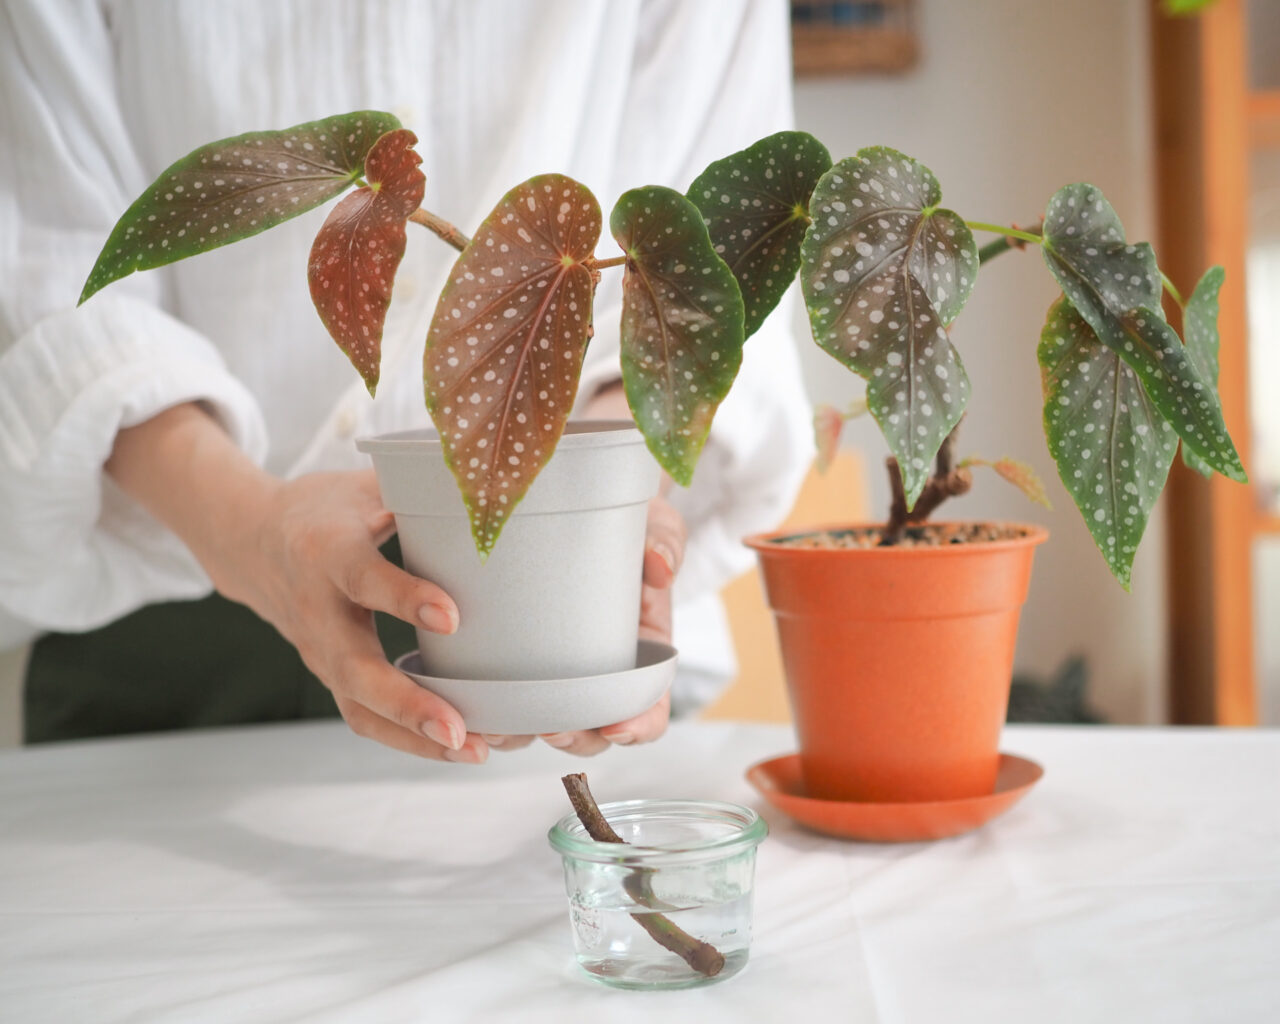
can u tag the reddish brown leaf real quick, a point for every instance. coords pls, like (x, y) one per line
(504, 352)
(354, 258)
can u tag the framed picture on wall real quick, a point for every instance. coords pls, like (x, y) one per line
(845, 37)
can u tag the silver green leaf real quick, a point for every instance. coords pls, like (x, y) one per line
(1200, 325)
(1115, 286)
(884, 272)
(234, 188)
(755, 204)
(682, 327)
(1112, 447)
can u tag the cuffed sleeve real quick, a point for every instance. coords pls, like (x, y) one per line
(74, 551)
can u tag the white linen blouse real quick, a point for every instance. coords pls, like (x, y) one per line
(98, 96)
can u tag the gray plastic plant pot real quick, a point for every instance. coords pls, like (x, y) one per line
(559, 595)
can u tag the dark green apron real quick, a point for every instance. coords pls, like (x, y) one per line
(179, 665)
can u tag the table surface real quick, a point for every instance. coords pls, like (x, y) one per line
(298, 873)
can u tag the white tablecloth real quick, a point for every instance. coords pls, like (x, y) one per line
(298, 873)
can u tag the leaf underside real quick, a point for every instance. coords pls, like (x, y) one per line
(884, 272)
(1200, 326)
(1020, 474)
(234, 188)
(357, 250)
(505, 347)
(1112, 447)
(682, 324)
(755, 204)
(828, 424)
(1116, 288)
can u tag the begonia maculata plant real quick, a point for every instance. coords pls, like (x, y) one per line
(885, 270)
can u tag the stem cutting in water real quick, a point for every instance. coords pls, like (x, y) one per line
(701, 956)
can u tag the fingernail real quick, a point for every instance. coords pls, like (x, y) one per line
(494, 741)
(447, 734)
(665, 554)
(467, 755)
(559, 740)
(620, 738)
(438, 618)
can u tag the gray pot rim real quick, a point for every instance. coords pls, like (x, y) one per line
(578, 434)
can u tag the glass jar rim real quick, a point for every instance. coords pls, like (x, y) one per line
(570, 838)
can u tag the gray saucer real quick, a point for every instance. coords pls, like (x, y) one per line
(522, 707)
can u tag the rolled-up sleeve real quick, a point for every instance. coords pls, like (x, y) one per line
(74, 551)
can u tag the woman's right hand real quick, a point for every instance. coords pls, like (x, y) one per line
(309, 564)
(303, 554)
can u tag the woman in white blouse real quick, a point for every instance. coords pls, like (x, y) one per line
(209, 391)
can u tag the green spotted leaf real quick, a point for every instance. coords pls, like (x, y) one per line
(505, 347)
(884, 272)
(682, 324)
(755, 204)
(1112, 447)
(1115, 286)
(228, 190)
(1200, 325)
(355, 255)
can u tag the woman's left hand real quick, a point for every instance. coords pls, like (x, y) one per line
(664, 550)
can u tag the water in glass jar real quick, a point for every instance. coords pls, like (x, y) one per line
(613, 948)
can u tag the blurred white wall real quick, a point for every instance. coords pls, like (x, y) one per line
(1010, 100)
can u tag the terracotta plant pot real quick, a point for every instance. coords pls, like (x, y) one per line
(559, 596)
(898, 661)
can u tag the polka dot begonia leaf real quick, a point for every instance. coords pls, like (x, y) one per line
(755, 204)
(1115, 286)
(505, 347)
(682, 324)
(355, 255)
(884, 271)
(1200, 325)
(1112, 446)
(228, 190)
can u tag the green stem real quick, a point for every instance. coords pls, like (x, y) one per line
(993, 249)
(1169, 287)
(1000, 229)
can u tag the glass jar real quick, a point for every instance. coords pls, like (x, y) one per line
(683, 879)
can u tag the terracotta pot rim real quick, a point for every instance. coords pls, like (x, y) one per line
(763, 542)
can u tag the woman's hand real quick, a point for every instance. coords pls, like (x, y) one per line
(304, 555)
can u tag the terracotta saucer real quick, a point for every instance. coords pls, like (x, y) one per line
(779, 782)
